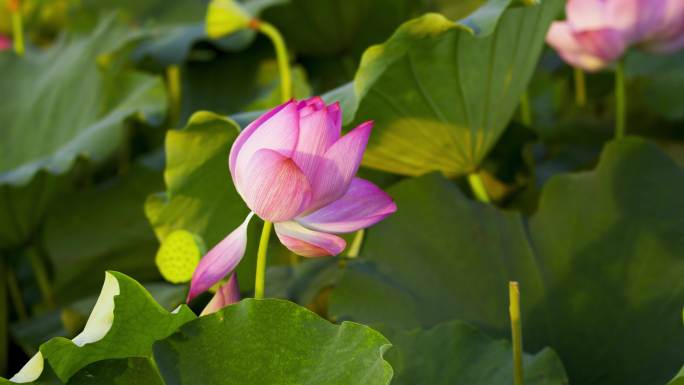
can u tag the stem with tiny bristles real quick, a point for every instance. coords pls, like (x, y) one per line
(478, 187)
(285, 95)
(15, 294)
(41, 274)
(580, 87)
(620, 100)
(516, 332)
(525, 109)
(173, 84)
(17, 27)
(281, 56)
(356, 244)
(260, 278)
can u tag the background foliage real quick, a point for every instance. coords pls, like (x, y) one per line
(108, 146)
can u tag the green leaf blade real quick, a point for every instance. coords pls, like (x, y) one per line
(274, 342)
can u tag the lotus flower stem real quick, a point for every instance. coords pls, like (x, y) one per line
(41, 274)
(260, 277)
(17, 27)
(516, 331)
(355, 247)
(15, 294)
(173, 79)
(285, 95)
(620, 100)
(4, 319)
(478, 187)
(525, 109)
(580, 87)
(281, 56)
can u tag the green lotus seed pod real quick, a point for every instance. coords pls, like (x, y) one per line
(178, 256)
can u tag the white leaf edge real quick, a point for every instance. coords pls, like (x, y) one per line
(98, 325)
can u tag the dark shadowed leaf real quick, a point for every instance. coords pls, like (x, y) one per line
(596, 265)
(455, 353)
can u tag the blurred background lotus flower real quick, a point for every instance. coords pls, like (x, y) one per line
(292, 167)
(596, 33)
(5, 43)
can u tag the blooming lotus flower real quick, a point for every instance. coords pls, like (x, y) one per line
(598, 32)
(292, 167)
(5, 43)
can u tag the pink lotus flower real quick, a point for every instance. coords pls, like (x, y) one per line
(5, 43)
(598, 32)
(292, 167)
(227, 294)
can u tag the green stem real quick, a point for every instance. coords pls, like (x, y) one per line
(516, 331)
(18, 32)
(620, 100)
(41, 275)
(580, 88)
(173, 84)
(525, 109)
(260, 277)
(356, 244)
(281, 55)
(15, 294)
(353, 250)
(478, 187)
(4, 319)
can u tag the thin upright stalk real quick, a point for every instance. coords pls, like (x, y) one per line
(281, 56)
(260, 278)
(353, 250)
(41, 275)
(17, 27)
(525, 109)
(516, 332)
(15, 294)
(285, 94)
(4, 319)
(620, 100)
(356, 244)
(580, 87)
(478, 187)
(173, 85)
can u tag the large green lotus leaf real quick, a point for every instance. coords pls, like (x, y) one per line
(68, 320)
(22, 208)
(122, 371)
(200, 196)
(67, 102)
(442, 92)
(596, 265)
(171, 27)
(272, 342)
(47, 377)
(102, 228)
(411, 262)
(337, 27)
(136, 323)
(249, 81)
(660, 78)
(455, 353)
(678, 379)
